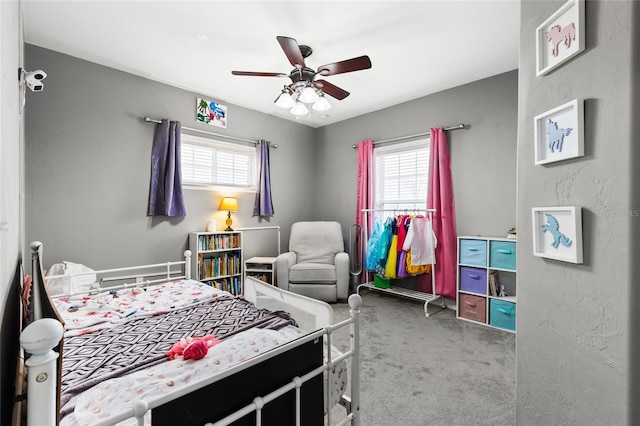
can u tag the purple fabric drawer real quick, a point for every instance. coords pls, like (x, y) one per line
(473, 280)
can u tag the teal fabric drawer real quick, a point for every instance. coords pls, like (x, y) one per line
(473, 252)
(502, 314)
(502, 255)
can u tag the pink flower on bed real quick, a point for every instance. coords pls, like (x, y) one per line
(192, 347)
(195, 350)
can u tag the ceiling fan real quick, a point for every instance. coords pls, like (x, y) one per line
(305, 88)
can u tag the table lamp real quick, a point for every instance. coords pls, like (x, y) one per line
(229, 204)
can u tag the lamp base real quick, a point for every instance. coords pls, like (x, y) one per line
(229, 222)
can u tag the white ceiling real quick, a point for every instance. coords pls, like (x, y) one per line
(416, 47)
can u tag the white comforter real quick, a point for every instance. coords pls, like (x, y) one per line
(84, 314)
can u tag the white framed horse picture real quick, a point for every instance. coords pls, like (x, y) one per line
(560, 37)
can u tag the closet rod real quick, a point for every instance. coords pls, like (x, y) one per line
(191, 129)
(401, 138)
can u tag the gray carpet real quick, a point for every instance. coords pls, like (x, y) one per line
(429, 371)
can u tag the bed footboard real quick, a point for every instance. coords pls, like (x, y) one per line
(283, 386)
(223, 398)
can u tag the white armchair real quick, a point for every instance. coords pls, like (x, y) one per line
(316, 264)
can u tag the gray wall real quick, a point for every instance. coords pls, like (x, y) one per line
(88, 152)
(573, 341)
(88, 166)
(483, 157)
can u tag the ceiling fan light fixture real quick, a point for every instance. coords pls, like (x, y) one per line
(308, 95)
(305, 91)
(299, 109)
(285, 100)
(322, 104)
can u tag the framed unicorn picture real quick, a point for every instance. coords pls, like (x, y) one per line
(558, 133)
(560, 37)
(557, 233)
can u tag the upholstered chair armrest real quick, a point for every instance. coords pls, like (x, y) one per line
(342, 275)
(284, 261)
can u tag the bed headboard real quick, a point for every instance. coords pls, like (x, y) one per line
(41, 304)
(37, 339)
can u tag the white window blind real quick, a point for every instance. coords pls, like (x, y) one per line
(209, 163)
(401, 175)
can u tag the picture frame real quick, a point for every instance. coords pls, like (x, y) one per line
(557, 233)
(558, 133)
(211, 112)
(560, 37)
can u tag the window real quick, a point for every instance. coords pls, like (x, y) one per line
(401, 175)
(207, 163)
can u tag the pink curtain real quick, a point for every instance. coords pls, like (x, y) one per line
(364, 193)
(440, 198)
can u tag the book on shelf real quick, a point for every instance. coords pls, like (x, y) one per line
(219, 242)
(494, 283)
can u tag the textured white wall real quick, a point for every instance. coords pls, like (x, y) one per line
(9, 146)
(573, 320)
(11, 224)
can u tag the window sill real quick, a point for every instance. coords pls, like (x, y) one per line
(222, 189)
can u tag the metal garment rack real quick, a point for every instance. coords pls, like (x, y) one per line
(401, 291)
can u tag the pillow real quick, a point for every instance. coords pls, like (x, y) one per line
(80, 284)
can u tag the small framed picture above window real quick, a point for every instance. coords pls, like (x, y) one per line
(212, 164)
(210, 112)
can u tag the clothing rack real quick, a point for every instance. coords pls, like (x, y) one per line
(401, 291)
(219, 135)
(417, 135)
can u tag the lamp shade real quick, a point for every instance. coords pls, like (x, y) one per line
(308, 95)
(229, 204)
(299, 109)
(322, 104)
(285, 100)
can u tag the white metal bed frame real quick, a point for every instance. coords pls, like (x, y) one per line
(44, 334)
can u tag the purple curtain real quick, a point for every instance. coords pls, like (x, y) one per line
(440, 198)
(263, 205)
(364, 193)
(165, 195)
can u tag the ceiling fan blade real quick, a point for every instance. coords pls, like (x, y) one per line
(260, 74)
(292, 50)
(354, 64)
(331, 89)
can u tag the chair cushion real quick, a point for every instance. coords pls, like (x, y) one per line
(316, 242)
(316, 273)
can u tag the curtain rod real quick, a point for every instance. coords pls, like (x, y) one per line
(191, 129)
(458, 127)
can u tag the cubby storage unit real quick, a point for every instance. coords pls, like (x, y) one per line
(218, 259)
(487, 281)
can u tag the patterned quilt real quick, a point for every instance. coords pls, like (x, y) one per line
(91, 358)
(86, 313)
